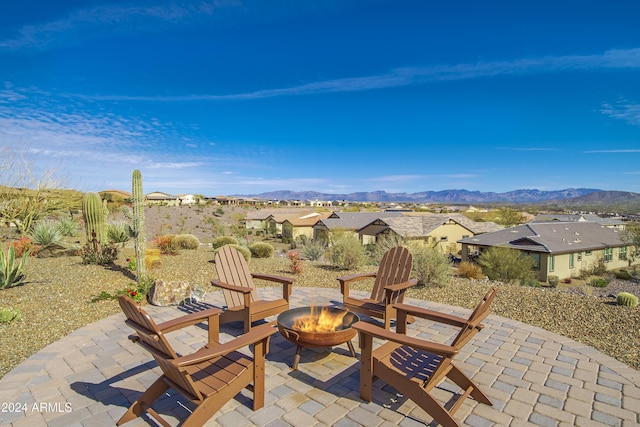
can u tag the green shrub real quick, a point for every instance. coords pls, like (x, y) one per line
(11, 270)
(219, 242)
(187, 241)
(68, 227)
(553, 281)
(599, 282)
(246, 253)
(430, 266)
(46, 232)
(470, 270)
(346, 252)
(103, 254)
(530, 282)
(506, 264)
(262, 250)
(384, 243)
(118, 231)
(313, 251)
(599, 268)
(8, 315)
(627, 299)
(623, 275)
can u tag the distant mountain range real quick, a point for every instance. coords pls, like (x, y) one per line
(444, 196)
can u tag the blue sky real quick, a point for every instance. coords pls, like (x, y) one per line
(244, 97)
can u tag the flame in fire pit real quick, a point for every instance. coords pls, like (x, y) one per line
(322, 320)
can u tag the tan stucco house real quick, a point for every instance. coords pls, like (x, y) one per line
(561, 249)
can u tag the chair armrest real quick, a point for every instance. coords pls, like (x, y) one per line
(229, 287)
(356, 277)
(401, 286)
(432, 315)
(272, 278)
(376, 331)
(188, 320)
(256, 334)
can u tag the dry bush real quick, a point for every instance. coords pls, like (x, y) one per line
(469, 270)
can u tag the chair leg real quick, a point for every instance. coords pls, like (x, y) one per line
(465, 383)
(145, 401)
(430, 405)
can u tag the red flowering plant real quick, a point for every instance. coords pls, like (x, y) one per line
(135, 295)
(25, 245)
(166, 244)
(296, 262)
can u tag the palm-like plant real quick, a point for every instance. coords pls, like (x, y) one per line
(11, 270)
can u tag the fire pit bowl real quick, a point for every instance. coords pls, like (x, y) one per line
(288, 325)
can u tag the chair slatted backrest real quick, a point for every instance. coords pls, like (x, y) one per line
(232, 269)
(473, 325)
(395, 267)
(154, 341)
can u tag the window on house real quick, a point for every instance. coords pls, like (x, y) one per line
(444, 238)
(622, 253)
(579, 256)
(587, 253)
(608, 255)
(571, 260)
(536, 260)
(551, 262)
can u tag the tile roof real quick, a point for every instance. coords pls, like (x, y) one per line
(556, 237)
(355, 220)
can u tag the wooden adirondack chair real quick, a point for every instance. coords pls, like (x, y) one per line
(414, 366)
(391, 283)
(240, 294)
(209, 377)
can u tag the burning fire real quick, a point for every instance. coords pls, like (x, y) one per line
(322, 320)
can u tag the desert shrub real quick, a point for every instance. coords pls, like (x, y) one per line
(599, 268)
(103, 254)
(430, 267)
(46, 233)
(346, 252)
(599, 282)
(384, 243)
(506, 264)
(530, 282)
(313, 251)
(470, 270)
(553, 281)
(627, 299)
(118, 231)
(11, 269)
(8, 315)
(262, 250)
(219, 242)
(68, 227)
(295, 263)
(567, 280)
(187, 241)
(24, 244)
(246, 253)
(167, 244)
(623, 275)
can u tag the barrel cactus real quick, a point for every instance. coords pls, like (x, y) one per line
(627, 299)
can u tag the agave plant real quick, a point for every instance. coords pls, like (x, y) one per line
(11, 270)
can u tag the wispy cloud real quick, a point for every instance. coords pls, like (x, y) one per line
(623, 110)
(630, 150)
(612, 59)
(94, 21)
(528, 149)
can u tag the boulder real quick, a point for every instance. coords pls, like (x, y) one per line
(173, 293)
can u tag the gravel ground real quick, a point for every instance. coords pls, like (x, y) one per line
(56, 300)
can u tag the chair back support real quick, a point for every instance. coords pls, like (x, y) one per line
(395, 267)
(232, 269)
(473, 325)
(150, 337)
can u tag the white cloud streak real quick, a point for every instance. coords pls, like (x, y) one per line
(623, 110)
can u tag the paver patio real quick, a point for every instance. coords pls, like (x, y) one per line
(534, 377)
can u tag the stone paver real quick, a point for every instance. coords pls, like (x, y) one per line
(534, 377)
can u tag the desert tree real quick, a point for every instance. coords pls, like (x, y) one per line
(630, 236)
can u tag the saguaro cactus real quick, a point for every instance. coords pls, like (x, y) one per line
(138, 223)
(93, 213)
